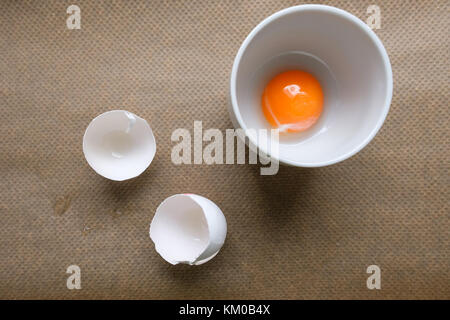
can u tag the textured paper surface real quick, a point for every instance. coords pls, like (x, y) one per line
(304, 233)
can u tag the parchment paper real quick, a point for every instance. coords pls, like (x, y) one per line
(304, 233)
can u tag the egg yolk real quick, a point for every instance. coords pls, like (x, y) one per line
(292, 101)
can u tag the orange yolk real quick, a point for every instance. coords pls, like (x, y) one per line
(292, 101)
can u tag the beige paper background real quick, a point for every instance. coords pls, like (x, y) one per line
(302, 234)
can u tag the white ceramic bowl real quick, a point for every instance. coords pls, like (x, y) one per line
(346, 57)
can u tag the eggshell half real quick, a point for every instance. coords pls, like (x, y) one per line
(188, 228)
(119, 145)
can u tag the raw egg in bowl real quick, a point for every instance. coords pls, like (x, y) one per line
(320, 76)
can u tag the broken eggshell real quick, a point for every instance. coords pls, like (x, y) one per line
(188, 228)
(119, 145)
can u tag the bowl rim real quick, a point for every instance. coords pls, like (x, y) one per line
(358, 23)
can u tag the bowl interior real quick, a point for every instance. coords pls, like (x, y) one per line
(345, 56)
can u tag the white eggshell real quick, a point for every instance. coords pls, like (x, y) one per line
(119, 145)
(188, 228)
